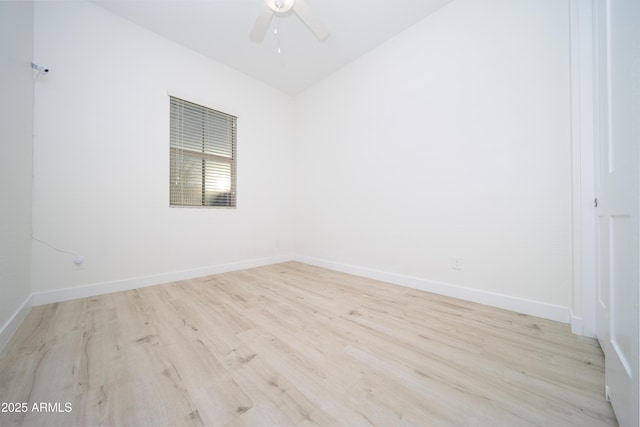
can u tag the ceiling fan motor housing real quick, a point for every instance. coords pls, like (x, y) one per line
(280, 6)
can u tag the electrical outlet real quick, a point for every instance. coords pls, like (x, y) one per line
(77, 262)
(456, 263)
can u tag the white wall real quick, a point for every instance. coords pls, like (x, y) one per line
(452, 139)
(16, 45)
(102, 158)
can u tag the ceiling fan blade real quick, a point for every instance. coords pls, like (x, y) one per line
(262, 24)
(305, 13)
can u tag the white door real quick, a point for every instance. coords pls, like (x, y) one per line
(617, 56)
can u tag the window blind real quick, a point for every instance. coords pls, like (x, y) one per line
(202, 156)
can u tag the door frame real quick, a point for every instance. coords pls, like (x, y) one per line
(583, 167)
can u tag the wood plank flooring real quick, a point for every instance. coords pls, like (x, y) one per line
(296, 345)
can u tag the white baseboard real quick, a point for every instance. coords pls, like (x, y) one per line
(520, 305)
(67, 294)
(11, 326)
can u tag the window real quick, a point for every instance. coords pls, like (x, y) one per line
(203, 156)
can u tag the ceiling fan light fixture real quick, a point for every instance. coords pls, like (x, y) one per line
(280, 6)
(273, 8)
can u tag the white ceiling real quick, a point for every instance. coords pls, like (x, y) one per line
(220, 30)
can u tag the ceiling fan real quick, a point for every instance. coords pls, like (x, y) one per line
(283, 7)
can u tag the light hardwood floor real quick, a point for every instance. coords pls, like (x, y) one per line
(291, 345)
